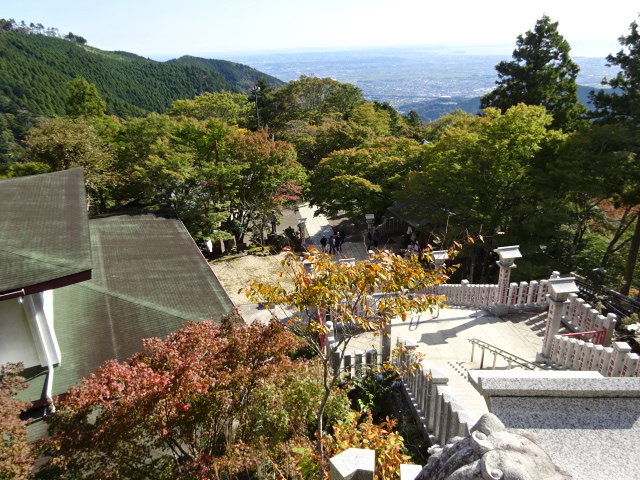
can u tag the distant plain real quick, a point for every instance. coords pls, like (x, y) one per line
(406, 77)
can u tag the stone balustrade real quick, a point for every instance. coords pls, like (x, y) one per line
(440, 414)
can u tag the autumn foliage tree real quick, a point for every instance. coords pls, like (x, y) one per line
(363, 295)
(16, 459)
(209, 401)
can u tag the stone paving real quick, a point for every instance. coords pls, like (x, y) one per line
(443, 338)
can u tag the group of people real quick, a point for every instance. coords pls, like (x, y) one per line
(333, 244)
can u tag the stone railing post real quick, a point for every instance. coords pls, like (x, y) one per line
(353, 464)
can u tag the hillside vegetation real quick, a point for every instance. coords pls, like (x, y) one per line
(35, 70)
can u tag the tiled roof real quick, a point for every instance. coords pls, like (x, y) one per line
(44, 231)
(149, 279)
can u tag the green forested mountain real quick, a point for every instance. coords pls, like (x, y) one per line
(237, 74)
(35, 69)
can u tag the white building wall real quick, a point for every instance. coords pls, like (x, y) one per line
(16, 342)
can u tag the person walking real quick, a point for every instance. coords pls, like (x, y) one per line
(323, 244)
(376, 238)
(339, 240)
(332, 244)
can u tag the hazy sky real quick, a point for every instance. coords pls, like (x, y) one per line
(163, 28)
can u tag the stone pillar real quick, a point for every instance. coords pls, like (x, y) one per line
(630, 365)
(610, 325)
(577, 355)
(358, 363)
(594, 359)
(353, 464)
(620, 349)
(605, 358)
(532, 298)
(542, 292)
(585, 356)
(554, 318)
(347, 362)
(503, 284)
(335, 360)
(573, 308)
(386, 343)
(522, 297)
(371, 358)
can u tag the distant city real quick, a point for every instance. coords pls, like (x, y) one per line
(406, 77)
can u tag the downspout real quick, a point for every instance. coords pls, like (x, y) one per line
(49, 383)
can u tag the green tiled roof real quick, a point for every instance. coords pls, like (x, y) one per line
(149, 278)
(43, 230)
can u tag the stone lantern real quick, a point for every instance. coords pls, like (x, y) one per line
(560, 289)
(439, 257)
(506, 262)
(370, 220)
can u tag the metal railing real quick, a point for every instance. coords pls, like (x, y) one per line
(611, 300)
(509, 357)
(595, 336)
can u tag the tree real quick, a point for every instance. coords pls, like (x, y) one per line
(622, 105)
(541, 73)
(363, 180)
(314, 99)
(178, 163)
(268, 175)
(347, 291)
(16, 459)
(84, 99)
(209, 401)
(231, 108)
(63, 143)
(477, 176)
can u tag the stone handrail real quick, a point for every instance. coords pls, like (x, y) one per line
(440, 414)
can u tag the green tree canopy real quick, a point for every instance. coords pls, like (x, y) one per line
(363, 180)
(541, 73)
(314, 99)
(622, 105)
(84, 99)
(231, 108)
(63, 143)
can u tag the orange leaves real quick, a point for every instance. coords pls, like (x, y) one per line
(355, 433)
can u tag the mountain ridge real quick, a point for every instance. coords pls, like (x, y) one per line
(35, 70)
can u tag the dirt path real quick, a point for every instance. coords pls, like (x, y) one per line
(234, 271)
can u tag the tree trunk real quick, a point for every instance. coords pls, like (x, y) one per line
(631, 260)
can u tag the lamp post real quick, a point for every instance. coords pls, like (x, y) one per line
(506, 262)
(560, 289)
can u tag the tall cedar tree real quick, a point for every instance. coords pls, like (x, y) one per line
(622, 106)
(541, 73)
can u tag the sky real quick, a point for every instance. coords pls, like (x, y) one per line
(162, 29)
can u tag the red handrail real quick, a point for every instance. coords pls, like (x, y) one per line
(595, 336)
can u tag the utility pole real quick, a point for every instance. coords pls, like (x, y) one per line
(256, 91)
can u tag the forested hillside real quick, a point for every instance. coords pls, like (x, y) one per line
(35, 70)
(241, 76)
